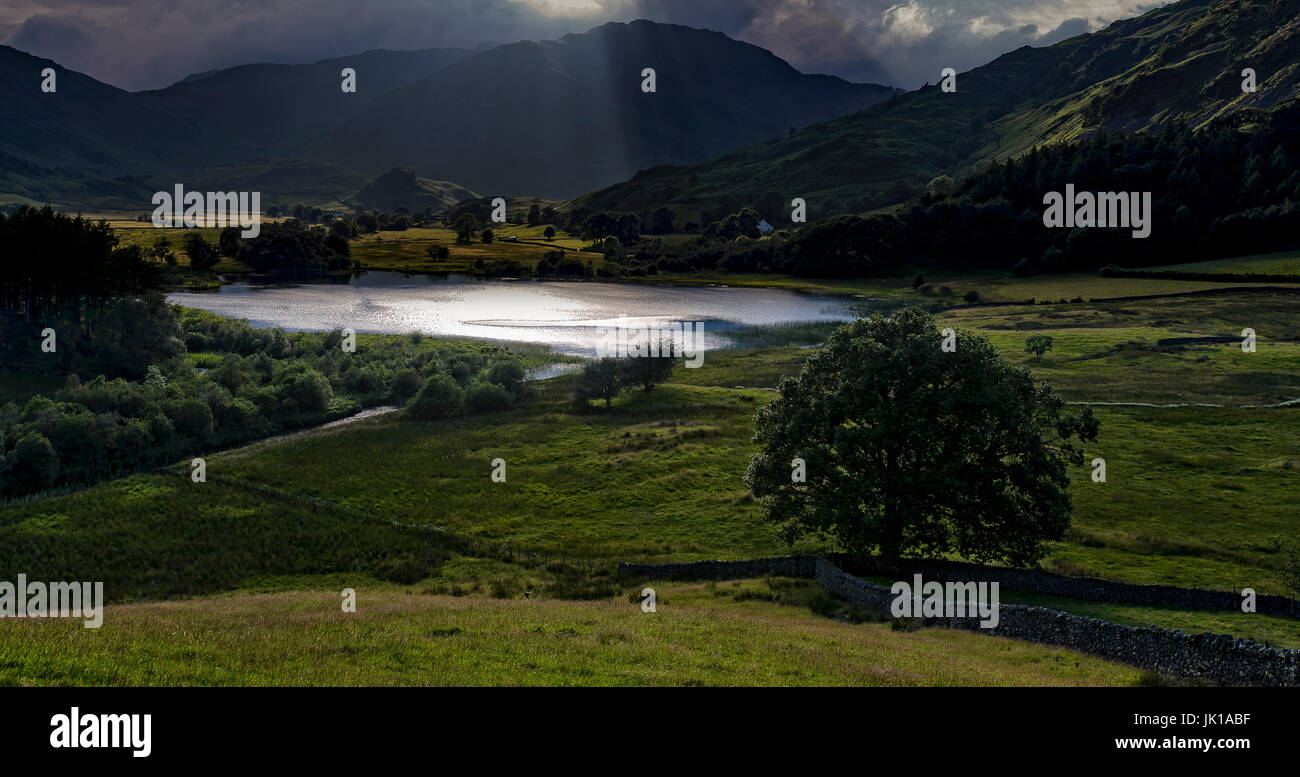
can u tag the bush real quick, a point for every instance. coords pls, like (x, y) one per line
(405, 384)
(32, 466)
(193, 418)
(312, 391)
(487, 398)
(440, 397)
(509, 374)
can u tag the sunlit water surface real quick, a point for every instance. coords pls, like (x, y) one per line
(569, 316)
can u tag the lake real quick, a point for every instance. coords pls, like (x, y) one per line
(565, 315)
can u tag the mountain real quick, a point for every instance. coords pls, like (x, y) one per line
(556, 118)
(400, 187)
(263, 110)
(84, 129)
(89, 144)
(1179, 65)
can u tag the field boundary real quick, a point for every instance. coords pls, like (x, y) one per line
(1215, 657)
(1034, 581)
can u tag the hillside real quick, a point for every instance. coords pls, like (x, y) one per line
(1177, 65)
(93, 145)
(553, 118)
(556, 118)
(400, 187)
(265, 110)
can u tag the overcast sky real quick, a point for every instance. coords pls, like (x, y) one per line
(147, 44)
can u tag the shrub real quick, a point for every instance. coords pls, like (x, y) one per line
(311, 390)
(193, 418)
(440, 397)
(510, 374)
(33, 465)
(405, 384)
(487, 398)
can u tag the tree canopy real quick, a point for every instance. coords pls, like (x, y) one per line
(913, 450)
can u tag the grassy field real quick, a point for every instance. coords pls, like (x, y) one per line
(1279, 263)
(161, 536)
(405, 251)
(414, 637)
(1196, 496)
(992, 286)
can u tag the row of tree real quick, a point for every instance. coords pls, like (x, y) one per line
(235, 384)
(73, 299)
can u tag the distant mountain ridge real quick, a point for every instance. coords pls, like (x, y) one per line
(557, 118)
(552, 118)
(1179, 64)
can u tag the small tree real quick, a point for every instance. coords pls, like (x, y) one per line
(534, 215)
(509, 374)
(466, 227)
(599, 379)
(918, 280)
(438, 252)
(909, 449)
(33, 465)
(162, 251)
(647, 371)
(943, 186)
(228, 242)
(549, 232)
(487, 398)
(201, 253)
(487, 236)
(440, 397)
(1038, 345)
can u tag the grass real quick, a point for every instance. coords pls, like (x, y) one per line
(656, 476)
(405, 251)
(1278, 263)
(992, 286)
(1194, 496)
(403, 637)
(160, 536)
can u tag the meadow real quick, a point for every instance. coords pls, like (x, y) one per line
(405, 251)
(414, 637)
(1197, 496)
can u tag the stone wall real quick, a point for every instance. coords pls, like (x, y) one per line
(1085, 588)
(780, 566)
(1218, 658)
(1215, 657)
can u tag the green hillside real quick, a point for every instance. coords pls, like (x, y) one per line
(1177, 65)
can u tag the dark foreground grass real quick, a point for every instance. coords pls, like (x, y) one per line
(403, 637)
(161, 536)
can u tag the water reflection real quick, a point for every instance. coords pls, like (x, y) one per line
(565, 315)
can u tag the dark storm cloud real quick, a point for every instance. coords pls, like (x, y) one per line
(141, 44)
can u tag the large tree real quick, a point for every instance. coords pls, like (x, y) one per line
(912, 448)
